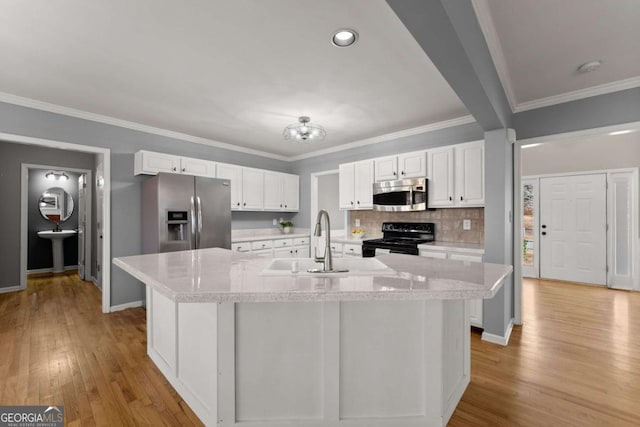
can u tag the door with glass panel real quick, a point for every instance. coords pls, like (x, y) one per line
(530, 211)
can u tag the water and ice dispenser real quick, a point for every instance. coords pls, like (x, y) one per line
(177, 225)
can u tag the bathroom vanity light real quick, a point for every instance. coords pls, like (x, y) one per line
(56, 176)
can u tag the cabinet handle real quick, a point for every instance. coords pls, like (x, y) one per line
(285, 206)
(280, 205)
(450, 198)
(358, 201)
(174, 169)
(238, 203)
(263, 245)
(460, 198)
(402, 172)
(244, 204)
(394, 174)
(184, 169)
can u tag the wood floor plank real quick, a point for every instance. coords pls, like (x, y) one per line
(574, 362)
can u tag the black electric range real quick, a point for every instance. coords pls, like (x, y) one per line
(400, 238)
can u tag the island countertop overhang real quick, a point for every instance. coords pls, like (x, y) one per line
(221, 275)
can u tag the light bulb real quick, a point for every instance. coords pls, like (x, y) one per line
(293, 132)
(315, 132)
(304, 129)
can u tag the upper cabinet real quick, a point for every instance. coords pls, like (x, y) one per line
(150, 163)
(234, 174)
(251, 189)
(281, 192)
(456, 175)
(356, 184)
(406, 165)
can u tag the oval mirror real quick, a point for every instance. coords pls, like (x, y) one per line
(56, 205)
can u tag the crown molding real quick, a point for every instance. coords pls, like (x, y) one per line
(579, 94)
(573, 135)
(488, 28)
(388, 137)
(80, 114)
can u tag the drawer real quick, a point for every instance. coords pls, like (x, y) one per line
(261, 244)
(282, 243)
(241, 247)
(266, 253)
(465, 257)
(300, 241)
(355, 250)
(433, 254)
(336, 247)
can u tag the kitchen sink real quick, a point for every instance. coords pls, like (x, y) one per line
(301, 266)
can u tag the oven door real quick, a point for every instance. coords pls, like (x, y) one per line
(404, 195)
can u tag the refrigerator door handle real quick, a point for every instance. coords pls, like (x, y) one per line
(199, 221)
(193, 223)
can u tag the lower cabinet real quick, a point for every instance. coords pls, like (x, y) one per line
(475, 305)
(297, 247)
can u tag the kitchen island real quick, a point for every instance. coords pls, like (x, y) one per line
(386, 347)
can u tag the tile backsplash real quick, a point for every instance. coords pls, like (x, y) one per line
(448, 222)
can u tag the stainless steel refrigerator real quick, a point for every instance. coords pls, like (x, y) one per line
(182, 212)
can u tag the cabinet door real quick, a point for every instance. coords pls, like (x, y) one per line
(234, 174)
(301, 252)
(469, 159)
(291, 192)
(252, 189)
(283, 253)
(475, 312)
(440, 173)
(386, 168)
(198, 167)
(465, 257)
(412, 165)
(150, 163)
(364, 184)
(346, 179)
(433, 254)
(273, 191)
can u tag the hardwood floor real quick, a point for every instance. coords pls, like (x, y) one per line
(576, 360)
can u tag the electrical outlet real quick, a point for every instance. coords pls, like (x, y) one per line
(275, 221)
(466, 224)
(357, 222)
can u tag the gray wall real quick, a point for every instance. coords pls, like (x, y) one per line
(329, 199)
(39, 254)
(304, 168)
(11, 158)
(125, 187)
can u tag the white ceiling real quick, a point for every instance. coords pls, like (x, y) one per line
(537, 45)
(236, 72)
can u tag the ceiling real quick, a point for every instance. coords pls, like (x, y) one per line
(538, 45)
(235, 73)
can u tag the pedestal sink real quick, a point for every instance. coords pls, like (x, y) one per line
(56, 238)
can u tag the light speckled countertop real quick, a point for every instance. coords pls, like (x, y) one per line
(239, 236)
(471, 248)
(221, 275)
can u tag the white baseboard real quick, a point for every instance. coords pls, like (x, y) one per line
(120, 307)
(10, 289)
(50, 269)
(498, 339)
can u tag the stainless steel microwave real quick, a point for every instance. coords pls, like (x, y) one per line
(403, 195)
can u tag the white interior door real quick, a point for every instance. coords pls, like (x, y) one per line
(573, 224)
(99, 219)
(82, 225)
(530, 197)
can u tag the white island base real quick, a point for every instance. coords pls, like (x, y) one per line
(350, 363)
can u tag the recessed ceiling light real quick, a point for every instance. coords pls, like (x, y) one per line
(344, 37)
(621, 132)
(590, 66)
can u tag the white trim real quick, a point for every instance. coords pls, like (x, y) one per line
(106, 252)
(72, 112)
(496, 51)
(603, 89)
(387, 137)
(559, 137)
(94, 280)
(50, 269)
(125, 306)
(577, 173)
(11, 289)
(499, 339)
(517, 231)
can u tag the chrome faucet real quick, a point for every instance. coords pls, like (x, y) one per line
(326, 259)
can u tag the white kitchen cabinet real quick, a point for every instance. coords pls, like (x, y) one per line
(355, 185)
(406, 165)
(475, 305)
(241, 247)
(281, 192)
(234, 174)
(352, 250)
(456, 175)
(197, 167)
(150, 163)
(283, 253)
(252, 189)
(469, 175)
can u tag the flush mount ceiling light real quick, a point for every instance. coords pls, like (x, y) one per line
(304, 131)
(344, 37)
(56, 176)
(590, 66)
